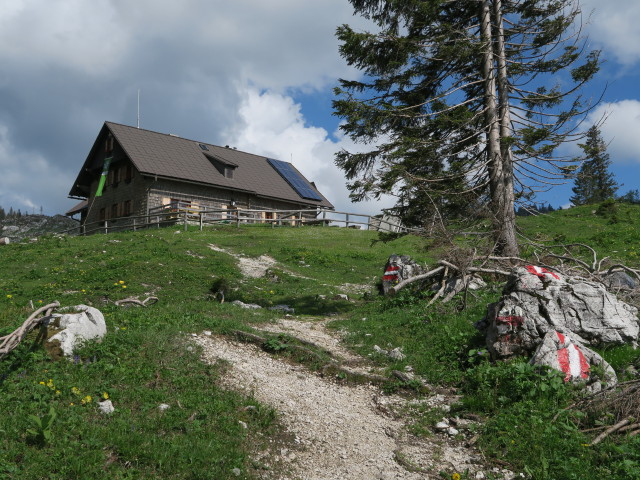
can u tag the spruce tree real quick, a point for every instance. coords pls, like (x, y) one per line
(456, 103)
(594, 183)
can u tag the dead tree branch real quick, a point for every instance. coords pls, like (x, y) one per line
(11, 341)
(135, 301)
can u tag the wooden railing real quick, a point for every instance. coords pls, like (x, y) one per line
(185, 215)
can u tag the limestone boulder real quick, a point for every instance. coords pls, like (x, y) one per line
(397, 269)
(68, 330)
(574, 360)
(536, 301)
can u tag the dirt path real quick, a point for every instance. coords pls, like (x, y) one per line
(341, 431)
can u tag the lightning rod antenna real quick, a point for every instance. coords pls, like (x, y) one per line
(138, 108)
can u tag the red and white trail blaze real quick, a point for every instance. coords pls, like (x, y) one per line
(572, 361)
(391, 273)
(541, 272)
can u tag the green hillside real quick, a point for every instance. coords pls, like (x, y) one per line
(145, 359)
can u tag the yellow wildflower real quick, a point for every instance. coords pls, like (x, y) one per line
(105, 395)
(9, 296)
(71, 404)
(86, 400)
(58, 392)
(124, 286)
(455, 476)
(75, 391)
(121, 282)
(42, 383)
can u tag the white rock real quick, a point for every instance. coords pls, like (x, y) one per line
(452, 431)
(236, 472)
(377, 349)
(163, 406)
(397, 354)
(442, 425)
(76, 328)
(106, 407)
(207, 333)
(243, 424)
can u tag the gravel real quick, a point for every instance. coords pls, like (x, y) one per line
(340, 431)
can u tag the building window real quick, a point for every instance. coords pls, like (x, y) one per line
(126, 208)
(108, 146)
(114, 210)
(128, 173)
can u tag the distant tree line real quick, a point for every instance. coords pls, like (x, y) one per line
(15, 213)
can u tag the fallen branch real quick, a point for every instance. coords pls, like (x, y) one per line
(393, 290)
(611, 430)
(11, 341)
(135, 301)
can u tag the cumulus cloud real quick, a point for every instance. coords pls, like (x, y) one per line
(614, 25)
(69, 65)
(620, 129)
(272, 125)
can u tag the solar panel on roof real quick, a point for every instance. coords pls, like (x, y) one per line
(293, 178)
(203, 146)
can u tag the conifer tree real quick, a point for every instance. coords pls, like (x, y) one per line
(456, 100)
(594, 183)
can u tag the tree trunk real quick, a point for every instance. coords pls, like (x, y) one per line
(500, 166)
(508, 214)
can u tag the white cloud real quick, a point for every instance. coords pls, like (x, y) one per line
(273, 125)
(69, 65)
(615, 26)
(620, 129)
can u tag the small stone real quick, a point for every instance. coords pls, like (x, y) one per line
(396, 354)
(480, 476)
(106, 407)
(236, 472)
(452, 431)
(207, 333)
(163, 406)
(243, 424)
(444, 425)
(340, 296)
(377, 349)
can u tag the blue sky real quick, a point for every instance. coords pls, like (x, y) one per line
(252, 74)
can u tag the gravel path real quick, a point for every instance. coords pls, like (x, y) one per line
(341, 431)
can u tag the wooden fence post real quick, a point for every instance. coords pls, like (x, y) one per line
(347, 222)
(185, 221)
(106, 226)
(200, 214)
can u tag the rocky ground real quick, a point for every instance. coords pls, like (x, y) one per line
(338, 430)
(31, 226)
